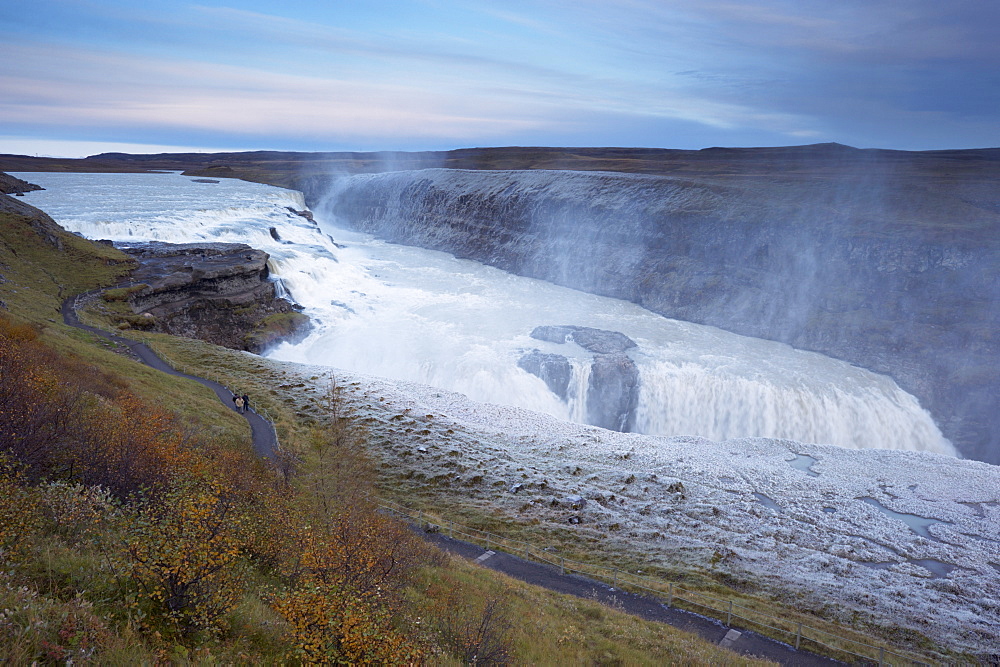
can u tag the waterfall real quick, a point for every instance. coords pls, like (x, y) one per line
(424, 316)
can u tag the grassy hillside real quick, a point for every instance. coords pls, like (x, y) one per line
(137, 527)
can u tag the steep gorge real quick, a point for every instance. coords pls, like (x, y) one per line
(874, 265)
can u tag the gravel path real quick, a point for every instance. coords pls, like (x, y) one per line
(265, 443)
(550, 577)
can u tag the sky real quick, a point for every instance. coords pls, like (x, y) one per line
(81, 77)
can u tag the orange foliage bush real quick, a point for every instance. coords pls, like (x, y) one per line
(66, 420)
(342, 602)
(184, 552)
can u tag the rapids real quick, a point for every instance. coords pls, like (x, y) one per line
(407, 313)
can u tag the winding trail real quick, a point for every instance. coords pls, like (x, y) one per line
(265, 444)
(744, 642)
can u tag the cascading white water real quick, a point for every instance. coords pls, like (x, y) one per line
(412, 314)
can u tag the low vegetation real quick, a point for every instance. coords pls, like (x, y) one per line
(136, 525)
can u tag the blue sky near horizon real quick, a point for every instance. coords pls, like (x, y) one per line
(86, 76)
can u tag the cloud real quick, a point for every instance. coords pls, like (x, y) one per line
(109, 89)
(469, 71)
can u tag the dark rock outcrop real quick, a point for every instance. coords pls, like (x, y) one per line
(613, 392)
(11, 185)
(218, 292)
(593, 340)
(613, 388)
(554, 369)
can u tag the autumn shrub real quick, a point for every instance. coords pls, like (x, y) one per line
(477, 630)
(35, 629)
(64, 420)
(343, 603)
(20, 514)
(343, 600)
(77, 513)
(333, 625)
(37, 409)
(183, 553)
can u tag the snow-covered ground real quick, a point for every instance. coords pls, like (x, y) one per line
(912, 538)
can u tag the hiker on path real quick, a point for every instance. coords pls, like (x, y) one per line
(239, 404)
(246, 402)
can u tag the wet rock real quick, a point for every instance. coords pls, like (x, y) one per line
(613, 390)
(598, 341)
(576, 502)
(302, 214)
(552, 334)
(554, 369)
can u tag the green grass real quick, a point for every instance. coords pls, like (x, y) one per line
(553, 629)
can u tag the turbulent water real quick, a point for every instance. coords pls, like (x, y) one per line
(412, 314)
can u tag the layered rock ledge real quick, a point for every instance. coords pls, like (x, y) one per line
(217, 292)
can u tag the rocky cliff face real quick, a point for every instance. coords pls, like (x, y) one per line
(217, 292)
(10, 185)
(878, 265)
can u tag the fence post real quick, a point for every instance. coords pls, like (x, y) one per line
(562, 565)
(729, 615)
(798, 636)
(451, 528)
(487, 541)
(616, 578)
(881, 656)
(670, 598)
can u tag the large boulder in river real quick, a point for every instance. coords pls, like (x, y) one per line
(613, 392)
(613, 388)
(593, 340)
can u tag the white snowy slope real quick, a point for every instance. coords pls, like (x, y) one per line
(912, 538)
